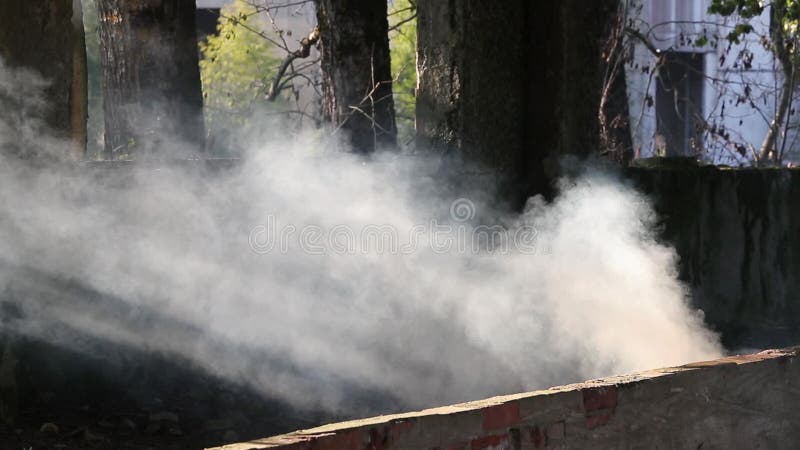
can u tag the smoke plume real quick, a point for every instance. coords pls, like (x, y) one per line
(252, 273)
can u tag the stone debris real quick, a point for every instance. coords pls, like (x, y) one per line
(49, 428)
(164, 422)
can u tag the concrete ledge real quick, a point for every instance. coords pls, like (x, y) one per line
(749, 401)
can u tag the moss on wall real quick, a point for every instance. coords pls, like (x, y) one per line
(736, 233)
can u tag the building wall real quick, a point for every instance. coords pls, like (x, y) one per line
(674, 25)
(212, 4)
(734, 232)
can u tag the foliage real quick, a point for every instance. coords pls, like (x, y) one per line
(747, 9)
(239, 63)
(772, 25)
(783, 43)
(236, 65)
(403, 42)
(789, 14)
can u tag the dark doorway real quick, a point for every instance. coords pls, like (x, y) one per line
(679, 103)
(207, 22)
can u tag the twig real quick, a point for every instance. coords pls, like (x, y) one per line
(303, 52)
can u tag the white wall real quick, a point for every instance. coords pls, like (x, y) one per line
(212, 4)
(673, 25)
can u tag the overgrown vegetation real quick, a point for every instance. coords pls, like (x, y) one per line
(749, 39)
(782, 41)
(403, 44)
(236, 65)
(239, 64)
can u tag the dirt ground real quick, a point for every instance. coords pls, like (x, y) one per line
(101, 427)
(93, 427)
(70, 401)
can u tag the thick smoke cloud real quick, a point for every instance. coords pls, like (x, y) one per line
(179, 261)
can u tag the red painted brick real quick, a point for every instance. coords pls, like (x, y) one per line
(384, 437)
(455, 446)
(378, 439)
(343, 440)
(538, 438)
(599, 405)
(501, 416)
(497, 442)
(401, 427)
(598, 420)
(297, 446)
(599, 398)
(556, 431)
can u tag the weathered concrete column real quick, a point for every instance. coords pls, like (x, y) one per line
(47, 36)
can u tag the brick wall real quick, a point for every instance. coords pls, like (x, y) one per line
(746, 401)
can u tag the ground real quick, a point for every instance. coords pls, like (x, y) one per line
(146, 402)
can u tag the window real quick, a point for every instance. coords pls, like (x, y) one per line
(673, 19)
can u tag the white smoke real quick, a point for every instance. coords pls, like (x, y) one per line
(171, 252)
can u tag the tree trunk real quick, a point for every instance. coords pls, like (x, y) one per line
(47, 36)
(584, 33)
(472, 89)
(79, 89)
(357, 76)
(567, 83)
(513, 86)
(152, 96)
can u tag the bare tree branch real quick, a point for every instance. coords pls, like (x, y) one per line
(303, 52)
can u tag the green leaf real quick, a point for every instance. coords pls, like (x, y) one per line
(702, 41)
